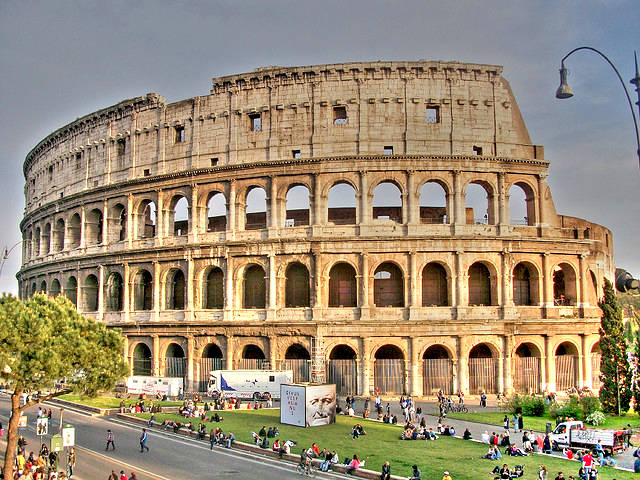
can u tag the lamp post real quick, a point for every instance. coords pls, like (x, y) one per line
(5, 254)
(565, 91)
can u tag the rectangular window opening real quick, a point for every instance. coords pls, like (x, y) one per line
(255, 120)
(179, 134)
(388, 150)
(339, 115)
(122, 145)
(296, 153)
(477, 150)
(78, 161)
(146, 172)
(214, 161)
(433, 114)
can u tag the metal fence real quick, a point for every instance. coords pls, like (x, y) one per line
(437, 374)
(526, 374)
(300, 367)
(344, 373)
(142, 366)
(250, 363)
(175, 367)
(207, 365)
(483, 374)
(566, 371)
(389, 375)
(596, 360)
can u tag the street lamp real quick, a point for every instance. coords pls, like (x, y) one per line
(5, 254)
(565, 91)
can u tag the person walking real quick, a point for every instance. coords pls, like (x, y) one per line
(143, 441)
(71, 460)
(110, 440)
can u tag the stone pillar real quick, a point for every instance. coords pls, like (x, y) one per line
(230, 352)
(273, 351)
(508, 362)
(156, 356)
(503, 201)
(413, 200)
(459, 217)
(317, 284)
(100, 292)
(463, 367)
(412, 282)
(583, 299)
(415, 378)
(190, 279)
(501, 382)
(126, 295)
(542, 188)
(231, 208)
(365, 205)
(190, 360)
(364, 285)
(83, 230)
(315, 210)
(365, 346)
(105, 223)
(195, 220)
(228, 284)
(130, 221)
(461, 276)
(543, 371)
(160, 231)
(586, 354)
(272, 205)
(547, 282)
(272, 284)
(455, 383)
(507, 291)
(156, 290)
(551, 364)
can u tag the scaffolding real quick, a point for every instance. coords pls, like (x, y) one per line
(318, 361)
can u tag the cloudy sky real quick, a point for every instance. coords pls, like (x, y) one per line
(62, 59)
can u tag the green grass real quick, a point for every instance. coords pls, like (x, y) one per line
(461, 458)
(109, 402)
(539, 423)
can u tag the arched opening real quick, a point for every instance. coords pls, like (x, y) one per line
(147, 218)
(142, 360)
(296, 286)
(256, 209)
(143, 291)
(297, 358)
(28, 245)
(297, 207)
(479, 285)
(43, 286)
(477, 207)
(252, 358)
(180, 217)
(596, 362)
(90, 290)
(117, 221)
(387, 202)
(34, 289)
(71, 290)
(566, 366)
(388, 286)
(342, 286)
(174, 361)
(437, 371)
(435, 292)
(564, 285)
(254, 295)
(525, 285)
(93, 226)
(216, 212)
(46, 239)
(483, 370)
(214, 289)
(176, 290)
(433, 204)
(341, 204)
(114, 293)
(58, 236)
(342, 370)
(389, 370)
(211, 359)
(75, 228)
(526, 374)
(593, 289)
(54, 291)
(36, 246)
(522, 205)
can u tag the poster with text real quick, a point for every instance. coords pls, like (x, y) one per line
(320, 405)
(292, 405)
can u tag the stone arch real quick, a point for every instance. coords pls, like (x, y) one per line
(54, 289)
(34, 288)
(387, 203)
(343, 351)
(527, 368)
(216, 211)
(114, 293)
(46, 239)
(522, 204)
(71, 290)
(388, 285)
(525, 284)
(297, 358)
(43, 286)
(176, 290)
(342, 368)
(147, 216)
(435, 285)
(252, 357)
(483, 369)
(297, 288)
(479, 199)
(90, 293)
(593, 295)
(179, 214)
(213, 288)
(481, 284)
(389, 370)
(343, 288)
(211, 359)
(437, 370)
(75, 229)
(142, 290)
(567, 363)
(142, 359)
(58, 235)
(565, 288)
(433, 200)
(342, 207)
(174, 360)
(254, 294)
(297, 205)
(38, 240)
(117, 223)
(94, 227)
(255, 208)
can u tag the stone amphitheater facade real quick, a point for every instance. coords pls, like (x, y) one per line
(177, 223)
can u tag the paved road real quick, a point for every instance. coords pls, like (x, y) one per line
(171, 457)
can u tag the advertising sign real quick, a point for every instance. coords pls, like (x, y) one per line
(56, 443)
(22, 421)
(42, 426)
(292, 405)
(68, 436)
(320, 405)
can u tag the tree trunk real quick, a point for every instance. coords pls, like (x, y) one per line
(12, 435)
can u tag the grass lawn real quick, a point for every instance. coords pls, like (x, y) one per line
(109, 402)
(461, 458)
(539, 423)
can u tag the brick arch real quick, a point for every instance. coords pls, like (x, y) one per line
(444, 343)
(203, 343)
(489, 185)
(401, 265)
(168, 268)
(375, 346)
(138, 268)
(239, 270)
(242, 342)
(145, 341)
(328, 185)
(493, 270)
(145, 197)
(446, 186)
(447, 268)
(353, 344)
(165, 342)
(493, 344)
(286, 342)
(537, 342)
(304, 260)
(205, 194)
(326, 270)
(575, 343)
(397, 180)
(283, 190)
(241, 197)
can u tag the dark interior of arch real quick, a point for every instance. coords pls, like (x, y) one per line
(297, 351)
(252, 352)
(254, 287)
(525, 350)
(342, 286)
(342, 352)
(436, 351)
(388, 288)
(389, 352)
(215, 289)
(480, 351)
(175, 350)
(297, 290)
(566, 349)
(212, 351)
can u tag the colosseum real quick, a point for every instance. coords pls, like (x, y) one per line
(319, 218)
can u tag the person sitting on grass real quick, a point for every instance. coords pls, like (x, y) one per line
(467, 434)
(264, 443)
(493, 453)
(430, 435)
(218, 418)
(515, 451)
(416, 474)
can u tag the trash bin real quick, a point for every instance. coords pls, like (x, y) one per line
(548, 429)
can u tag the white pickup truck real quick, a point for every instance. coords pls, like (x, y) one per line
(574, 435)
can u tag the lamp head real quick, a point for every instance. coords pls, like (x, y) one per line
(564, 90)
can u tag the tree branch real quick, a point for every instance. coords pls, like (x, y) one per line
(44, 399)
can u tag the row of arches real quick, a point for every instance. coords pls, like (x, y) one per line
(388, 203)
(388, 287)
(390, 367)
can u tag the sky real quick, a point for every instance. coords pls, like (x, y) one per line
(60, 60)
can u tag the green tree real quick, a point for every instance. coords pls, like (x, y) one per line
(615, 373)
(42, 340)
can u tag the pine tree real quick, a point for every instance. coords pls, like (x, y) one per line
(615, 372)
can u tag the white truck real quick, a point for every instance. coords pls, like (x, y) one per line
(250, 384)
(574, 435)
(169, 386)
